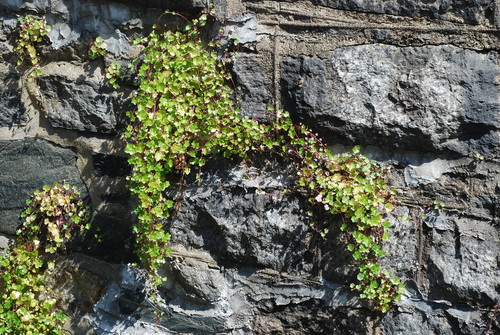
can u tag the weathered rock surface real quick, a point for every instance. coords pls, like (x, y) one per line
(73, 22)
(79, 283)
(12, 110)
(26, 166)
(214, 287)
(244, 259)
(475, 11)
(463, 268)
(254, 82)
(435, 98)
(227, 217)
(79, 101)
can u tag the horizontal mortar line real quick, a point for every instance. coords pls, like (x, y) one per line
(174, 253)
(281, 277)
(420, 205)
(373, 26)
(438, 24)
(450, 25)
(329, 18)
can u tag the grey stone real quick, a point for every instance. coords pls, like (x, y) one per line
(170, 4)
(226, 216)
(436, 221)
(78, 283)
(433, 318)
(11, 4)
(12, 110)
(474, 12)
(226, 277)
(245, 301)
(196, 276)
(252, 78)
(118, 308)
(416, 322)
(26, 166)
(73, 21)
(244, 29)
(428, 172)
(463, 268)
(5, 243)
(76, 101)
(401, 257)
(417, 98)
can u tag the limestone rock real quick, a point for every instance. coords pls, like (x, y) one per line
(81, 101)
(417, 98)
(463, 268)
(474, 12)
(247, 301)
(12, 110)
(252, 78)
(226, 216)
(78, 283)
(26, 166)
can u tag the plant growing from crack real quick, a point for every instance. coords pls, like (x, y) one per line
(52, 215)
(98, 48)
(184, 114)
(114, 73)
(31, 34)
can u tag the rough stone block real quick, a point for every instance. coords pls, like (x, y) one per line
(26, 166)
(463, 268)
(80, 101)
(235, 223)
(12, 110)
(253, 79)
(472, 12)
(432, 98)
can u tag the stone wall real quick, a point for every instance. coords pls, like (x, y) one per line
(416, 83)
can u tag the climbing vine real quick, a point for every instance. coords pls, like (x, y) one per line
(31, 33)
(184, 114)
(52, 215)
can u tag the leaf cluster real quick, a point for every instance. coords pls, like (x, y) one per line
(52, 214)
(114, 73)
(98, 48)
(31, 33)
(27, 307)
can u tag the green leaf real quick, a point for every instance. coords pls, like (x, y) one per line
(373, 284)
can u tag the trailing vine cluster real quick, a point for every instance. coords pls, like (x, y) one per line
(184, 114)
(31, 33)
(52, 215)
